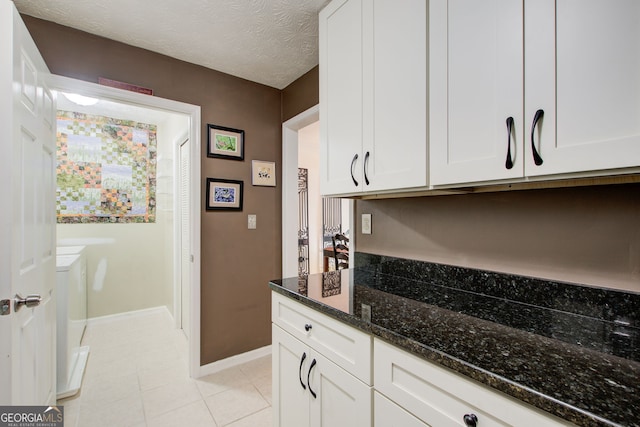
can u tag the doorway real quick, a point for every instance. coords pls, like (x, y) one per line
(294, 131)
(177, 185)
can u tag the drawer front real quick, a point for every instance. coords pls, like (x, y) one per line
(441, 397)
(344, 345)
(388, 414)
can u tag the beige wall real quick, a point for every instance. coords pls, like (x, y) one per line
(235, 299)
(125, 266)
(587, 235)
(130, 266)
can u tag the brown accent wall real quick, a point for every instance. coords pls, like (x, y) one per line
(301, 95)
(237, 263)
(587, 235)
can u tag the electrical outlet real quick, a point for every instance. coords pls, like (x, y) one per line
(366, 312)
(366, 224)
(252, 222)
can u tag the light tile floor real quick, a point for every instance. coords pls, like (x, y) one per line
(137, 376)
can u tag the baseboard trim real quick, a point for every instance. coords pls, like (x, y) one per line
(232, 361)
(127, 314)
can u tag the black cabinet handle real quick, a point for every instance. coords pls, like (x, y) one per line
(353, 163)
(470, 420)
(304, 356)
(536, 157)
(313, 363)
(307, 327)
(509, 163)
(366, 165)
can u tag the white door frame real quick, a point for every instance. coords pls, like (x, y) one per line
(177, 230)
(94, 90)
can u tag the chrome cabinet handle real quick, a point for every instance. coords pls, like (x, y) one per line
(536, 118)
(509, 163)
(353, 163)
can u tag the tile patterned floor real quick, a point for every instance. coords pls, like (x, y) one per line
(137, 376)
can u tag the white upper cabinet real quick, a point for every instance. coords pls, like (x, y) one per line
(582, 68)
(373, 96)
(476, 90)
(541, 87)
(340, 48)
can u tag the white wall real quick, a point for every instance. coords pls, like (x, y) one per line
(130, 266)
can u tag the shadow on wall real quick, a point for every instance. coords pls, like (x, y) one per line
(586, 235)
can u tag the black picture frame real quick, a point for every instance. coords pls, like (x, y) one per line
(225, 143)
(224, 194)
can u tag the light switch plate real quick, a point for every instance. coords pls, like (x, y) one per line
(366, 224)
(252, 222)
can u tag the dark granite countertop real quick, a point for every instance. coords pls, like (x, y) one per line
(570, 350)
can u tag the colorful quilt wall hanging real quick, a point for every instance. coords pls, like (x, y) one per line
(106, 171)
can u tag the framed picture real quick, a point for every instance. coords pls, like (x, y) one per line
(225, 143)
(263, 173)
(224, 195)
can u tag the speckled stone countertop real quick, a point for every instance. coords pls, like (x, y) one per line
(570, 350)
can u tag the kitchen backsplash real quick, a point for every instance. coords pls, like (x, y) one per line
(602, 319)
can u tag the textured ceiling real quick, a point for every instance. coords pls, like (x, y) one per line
(272, 42)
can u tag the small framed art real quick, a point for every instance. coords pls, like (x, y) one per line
(263, 173)
(224, 195)
(225, 143)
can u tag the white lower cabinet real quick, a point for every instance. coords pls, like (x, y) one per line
(442, 398)
(388, 414)
(321, 369)
(330, 374)
(310, 390)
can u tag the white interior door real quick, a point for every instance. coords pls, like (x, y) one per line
(28, 219)
(185, 243)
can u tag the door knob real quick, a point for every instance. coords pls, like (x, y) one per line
(29, 301)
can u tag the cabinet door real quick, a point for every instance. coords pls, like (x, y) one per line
(475, 84)
(583, 70)
(395, 94)
(290, 363)
(388, 414)
(340, 49)
(344, 345)
(341, 399)
(441, 397)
